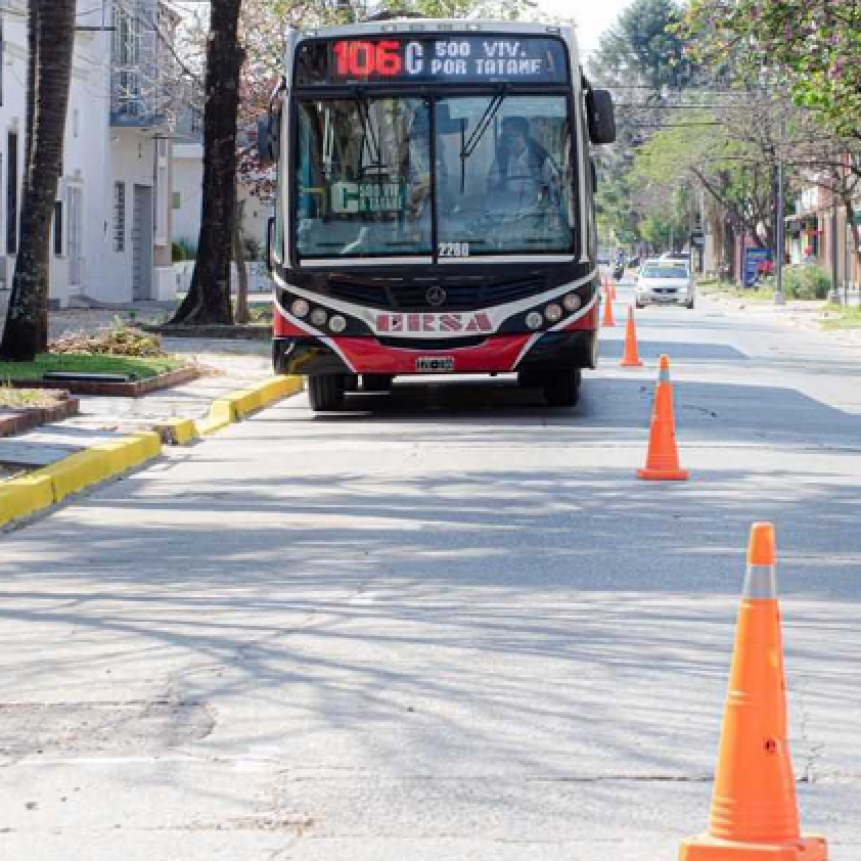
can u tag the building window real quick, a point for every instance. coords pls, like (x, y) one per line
(12, 195)
(2, 57)
(119, 216)
(177, 200)
(58, 228)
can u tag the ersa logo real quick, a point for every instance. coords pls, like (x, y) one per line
(478, 323)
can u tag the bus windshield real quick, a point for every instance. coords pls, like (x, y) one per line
(503, 176)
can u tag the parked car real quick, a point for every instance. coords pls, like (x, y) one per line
(665, 282)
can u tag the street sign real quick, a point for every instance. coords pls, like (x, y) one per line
(753, 258)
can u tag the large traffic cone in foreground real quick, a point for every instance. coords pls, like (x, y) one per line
(662, 460)
(608, 322)
(754, 812)
(631, 359)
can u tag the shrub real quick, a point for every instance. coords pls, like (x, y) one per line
(182, 249)
(806, 281)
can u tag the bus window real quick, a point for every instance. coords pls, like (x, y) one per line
(363, 178)
(507, 184)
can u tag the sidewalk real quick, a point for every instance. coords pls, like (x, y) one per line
(799, 314)
(231, 366)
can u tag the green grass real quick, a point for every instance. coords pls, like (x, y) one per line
(142, 368)
(842, 318)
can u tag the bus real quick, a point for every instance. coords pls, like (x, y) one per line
(434, 205)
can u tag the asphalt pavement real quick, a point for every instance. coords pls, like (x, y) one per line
(447, 623)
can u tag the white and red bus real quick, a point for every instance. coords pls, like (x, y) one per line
(434, 206)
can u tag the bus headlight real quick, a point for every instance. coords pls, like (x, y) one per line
(534, 320)
(553, 313)
(337, 324)
(299, 308)
(572, 302)
(319, 317)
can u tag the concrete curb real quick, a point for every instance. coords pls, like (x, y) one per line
(21, 497)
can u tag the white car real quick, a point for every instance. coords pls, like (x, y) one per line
(665, 282)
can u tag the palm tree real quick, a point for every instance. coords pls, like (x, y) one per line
(51, 35)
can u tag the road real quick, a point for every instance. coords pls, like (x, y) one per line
(449, 624)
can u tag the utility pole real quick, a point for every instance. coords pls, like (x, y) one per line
(835, 269)
(779, 298)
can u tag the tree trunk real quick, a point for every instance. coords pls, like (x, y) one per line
(208, 299)
(51, 33)
(241, 268)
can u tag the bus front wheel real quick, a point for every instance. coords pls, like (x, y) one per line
(326, 392)
(562, 388)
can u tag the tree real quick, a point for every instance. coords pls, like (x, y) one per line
(815, 44)
(642, 60)
(208, 299)
(643, 49)
(50, 37)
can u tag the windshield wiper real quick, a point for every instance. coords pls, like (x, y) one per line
(468, 147)
(369, 136)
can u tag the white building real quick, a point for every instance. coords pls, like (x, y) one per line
(187, 190)
(111, 239)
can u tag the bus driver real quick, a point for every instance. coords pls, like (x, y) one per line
(523, 170)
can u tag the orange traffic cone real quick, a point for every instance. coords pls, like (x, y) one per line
(631, 359)
(754, 812)
(662, 460)
(608, 322)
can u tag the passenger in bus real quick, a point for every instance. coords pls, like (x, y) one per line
(523, 171)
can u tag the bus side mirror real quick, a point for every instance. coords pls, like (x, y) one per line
(601, 117)
(270, 243)
(267, 139)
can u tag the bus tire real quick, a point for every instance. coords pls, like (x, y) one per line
(326, 392)
(562, 388)
(530, 380)
(377, 382)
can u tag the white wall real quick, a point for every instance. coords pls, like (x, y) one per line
(188, 182)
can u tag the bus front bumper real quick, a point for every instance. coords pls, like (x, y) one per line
(550, 351)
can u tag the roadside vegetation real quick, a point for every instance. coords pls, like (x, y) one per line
(838, 317)
(138, 368)
(122, 349)
(28, 399)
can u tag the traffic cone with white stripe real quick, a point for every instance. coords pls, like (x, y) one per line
(754, 811)
(662, 460)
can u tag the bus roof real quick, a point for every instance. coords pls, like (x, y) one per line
(441, 25)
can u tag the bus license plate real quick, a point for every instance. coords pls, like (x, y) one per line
(434, 364)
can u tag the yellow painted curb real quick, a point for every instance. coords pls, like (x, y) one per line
(22, 496)
(39, 489)
(238, 405)
(76, 472)
(178, 431)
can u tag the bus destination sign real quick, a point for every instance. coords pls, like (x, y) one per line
(452, 59)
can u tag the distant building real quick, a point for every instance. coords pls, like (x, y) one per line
(111, 236)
